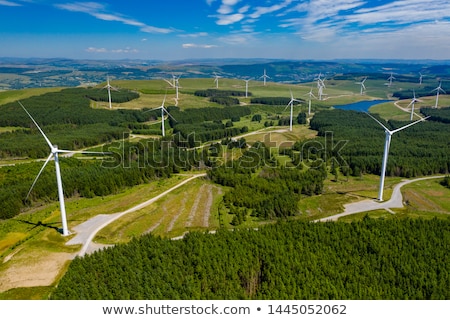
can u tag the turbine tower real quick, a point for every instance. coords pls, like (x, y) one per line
(265, 76)
(412, 104)
(174, 84)
(363, 87)
(109, 87)
(438, 90)
(246, 87)
(216, 79)
(390, 79)
(320, 85)
(311, 95)
(291, 104)
(387, 144)
(163, 110)
(54, 153)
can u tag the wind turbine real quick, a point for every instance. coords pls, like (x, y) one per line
(438, 89)
(54, 153)
(363, 87)
(163, 110)
(246, 87)
(216, 79)
(174, 84)
(265, 76)
(310, 94)
(320, 85)
(420, 78)
(387, 144)
(412, 104)
(391, 77)
(291, 104)
(109, 87)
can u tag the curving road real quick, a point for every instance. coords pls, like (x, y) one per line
(396, 201)
(86, 231)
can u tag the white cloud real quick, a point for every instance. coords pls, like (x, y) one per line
(194, 35)
(259, 11)
(202, 46)
(104, 50)
(9, 3)
(99, 11)
(229, 19)
(96, 50)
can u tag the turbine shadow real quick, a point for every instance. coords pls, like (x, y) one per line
(40, 224)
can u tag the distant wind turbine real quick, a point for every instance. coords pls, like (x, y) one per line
(54, 153)
(216, 79)
(412, 104)
(420, 78)
(387, 144)
(174, 84)
(163, 110)
(438, 90)
(311, 95)
(246, 87)
(264, 76)
(320, 85)
(363, 87)
(390, 79)
(291, 104)
(109, 87)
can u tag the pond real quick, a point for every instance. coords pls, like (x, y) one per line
(362, 106)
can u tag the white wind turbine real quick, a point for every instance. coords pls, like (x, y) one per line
(320, 85)
(163, 110)
(420, 78)
(438, 90)
(291, 104)
(246, 87)
(216, 79)
(174, 84)
(387, 144)
(109, 87)
(363, 87)
(54, 153)
(413, 103)
(264, 76)
(311, 95)
(390, 79)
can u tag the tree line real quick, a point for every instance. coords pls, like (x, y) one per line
(290, 260)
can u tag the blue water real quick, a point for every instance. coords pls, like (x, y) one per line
(362, 106)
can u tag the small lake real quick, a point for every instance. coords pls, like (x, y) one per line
(362, 106)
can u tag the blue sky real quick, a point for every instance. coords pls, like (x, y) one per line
(184, 29)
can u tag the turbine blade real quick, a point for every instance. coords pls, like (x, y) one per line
(39, 174)
(378, 122)
(170, 83)
(42, 132)
(82, 151)
(167, 112)
(409, 125)
(152, 109)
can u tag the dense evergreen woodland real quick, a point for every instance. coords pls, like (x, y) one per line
(261, 189)
(355, 142)
(371, 259)
(67, 119)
